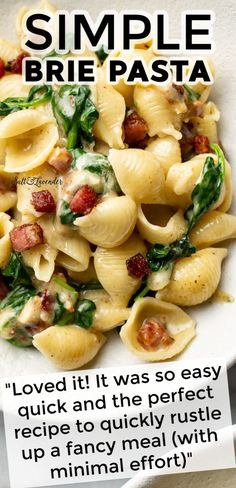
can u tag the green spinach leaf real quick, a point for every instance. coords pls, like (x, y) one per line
(84, 313)
(59, 309)
(102, 54)
(75, 113)
(16, 271)
(66, 215)
(193, 96)
(17, 298)
(38, 94)
(208, 190)
(160, 256)
(97, 164)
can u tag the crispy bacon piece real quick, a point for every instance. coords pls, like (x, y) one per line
(3, 288)
(43, 201)
(135, 129)
(26, 236)
(153, 334)
(178, 88)
(84, 200)
(195, 108)
(15, 66)
(201, 144)
(137, 266)
(46, 301)
(2, 68)
(60, 159)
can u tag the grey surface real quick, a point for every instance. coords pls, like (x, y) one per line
(4, 480)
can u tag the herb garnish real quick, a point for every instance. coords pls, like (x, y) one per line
(75, 113)
(37, 95)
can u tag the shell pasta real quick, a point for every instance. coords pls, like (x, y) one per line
(113, 198)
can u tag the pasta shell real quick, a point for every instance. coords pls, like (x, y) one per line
(5, 244)
(167, 151)
(179, 325)
(129, 56)
(31, 149)
(7, 200)
(195, 278)
(164, 233)
(13, 86)
(17, 123)
(153, 106)
(41, 259)
(110, 223)
(139, 174)
(68, 263)
(159, 279)
(110, 266)
(182, 178)
(213, 227)
(111, 108)
(8, 50)
(69, 347)
(71, 245)
(33, 181)
(107, 315)
(87, 276)
(205, 126)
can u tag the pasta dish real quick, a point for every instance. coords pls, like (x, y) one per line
(113, 199)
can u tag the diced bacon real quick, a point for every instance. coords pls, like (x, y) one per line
(195, 108)
(135, 129)
(15, 66)
(137, 266)
(84, 200)
(178, 88)
(3, 288)
(175, 93)
(2, 68)
(47, 301)
(153, 334)
(60, 159)
(26, 236)
(201, 144)
(43, 201)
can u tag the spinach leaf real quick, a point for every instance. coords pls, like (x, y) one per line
(75, 113)
(76, 154)
(59, 309)
(102, 54)
(37, 95)
(17, 298)
(98, 164)
(193, 96)
(160, 256)
(84, 313)
(66, 215)
(208, 190)
(16, 270)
